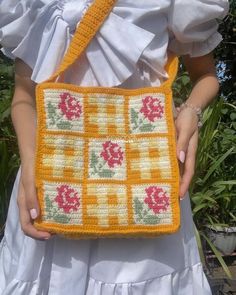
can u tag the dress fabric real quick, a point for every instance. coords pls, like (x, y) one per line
(130, 50)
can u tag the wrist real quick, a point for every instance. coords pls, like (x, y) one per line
(27, 157)
(195, 109)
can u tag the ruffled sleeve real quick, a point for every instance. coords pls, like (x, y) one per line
(193, 26)
(15, 19)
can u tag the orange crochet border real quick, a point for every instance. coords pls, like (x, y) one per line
(86, 230)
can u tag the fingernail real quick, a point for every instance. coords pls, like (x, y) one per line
(33, 213)
(182, 156)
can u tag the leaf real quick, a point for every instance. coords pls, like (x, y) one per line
(5, 114)
(146, 127)
(106, 173)
(61, 218)
(185, 80)
(233, 216)
(151, 219)
(94, 159)
(138, 208)
(199, 244)
(64, 125)
(224, 111)
(134, 117)
(48, 203)
(51, 113)
(199, 207)
(49, 207)
(233, 116)
(218, 256)
(217, 163)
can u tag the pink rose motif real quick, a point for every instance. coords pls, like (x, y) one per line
(69, 106)
(157, 199)
(112, 153)
(152, 108)
(67, 199)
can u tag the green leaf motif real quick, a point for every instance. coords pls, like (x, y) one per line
(61, 218)
(94, 159)
(142, 214)
(147, 127)
(51, 113)
(64, 125)
(49, 207)
(151, 219)
(52, 213)
(138, 208)
(106, 173)
(134, 118)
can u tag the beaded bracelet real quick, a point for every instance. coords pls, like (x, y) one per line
(197, 110)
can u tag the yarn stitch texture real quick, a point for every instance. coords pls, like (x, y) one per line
(106, 161)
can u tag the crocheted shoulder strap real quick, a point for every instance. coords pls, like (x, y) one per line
(87, 29)
(85, 32)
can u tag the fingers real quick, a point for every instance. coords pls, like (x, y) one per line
(189, 165)
(25, 219)
(186, 125)
(30, 193)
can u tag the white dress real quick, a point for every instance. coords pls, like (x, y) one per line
(128, 51)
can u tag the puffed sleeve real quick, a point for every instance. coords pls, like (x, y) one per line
(193, 26)
(16, 18)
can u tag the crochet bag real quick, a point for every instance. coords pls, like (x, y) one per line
(106, 161)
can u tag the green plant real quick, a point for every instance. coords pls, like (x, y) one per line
(213, 189)
(9, 158)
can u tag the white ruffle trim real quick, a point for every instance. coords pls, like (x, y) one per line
(190, 281)
(195, 49)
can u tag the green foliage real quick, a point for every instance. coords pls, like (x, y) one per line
(9, 158)
(182, 86)
(213, 189)
(226, 53)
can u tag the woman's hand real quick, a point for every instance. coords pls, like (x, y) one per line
(203, 75)
(23, 113)
(28, 204)
(187, 139)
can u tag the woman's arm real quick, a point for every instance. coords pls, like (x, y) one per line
(23, 111)
(206, 86)
(23, 115)
(202, 72)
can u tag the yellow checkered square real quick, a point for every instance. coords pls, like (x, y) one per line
(106, 205)
(105, 115)
(149, 158)
(62, 156)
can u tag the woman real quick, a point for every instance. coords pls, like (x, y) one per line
(129, 51)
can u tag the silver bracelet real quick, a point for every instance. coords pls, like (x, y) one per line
(197, 110)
